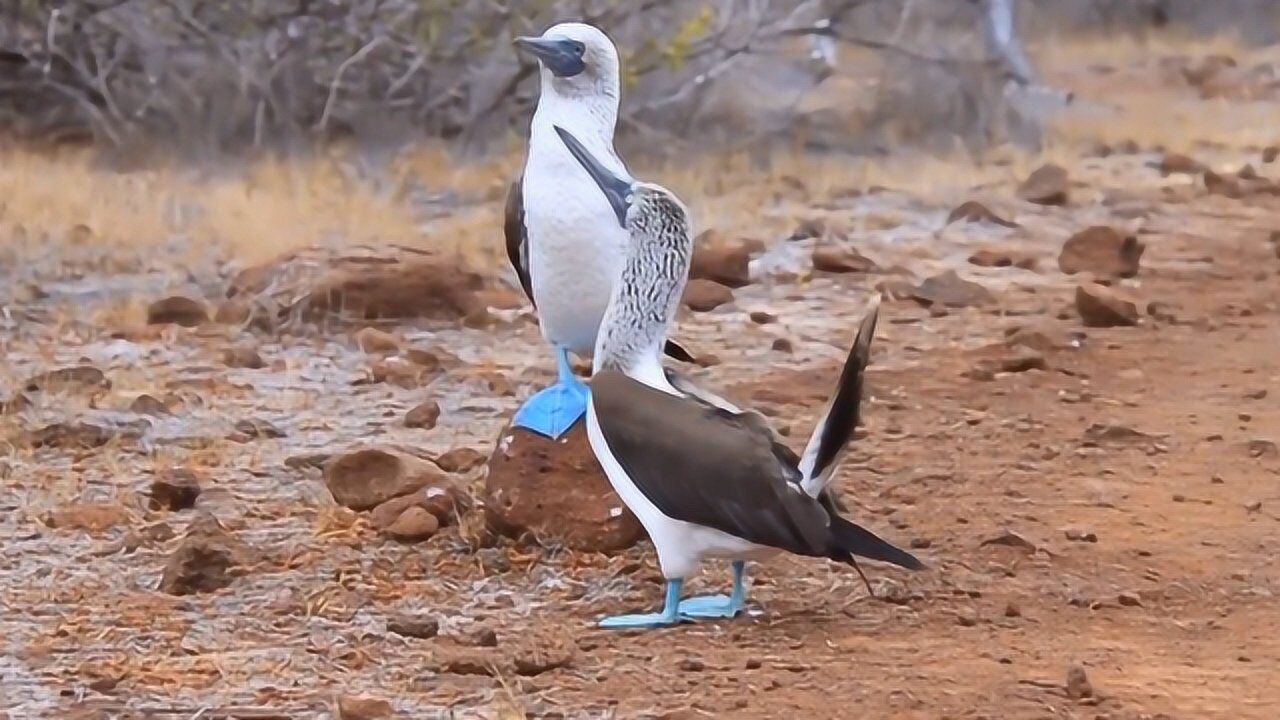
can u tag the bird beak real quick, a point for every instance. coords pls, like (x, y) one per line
(615, 189)
(562, 57)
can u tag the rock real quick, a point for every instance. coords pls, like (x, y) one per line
(896, 288)
(1076, 534)
(835, 259)
(256, 429)
(782, 345)
(1223, 185)
(1022, 361)
(77, 377)
(555, 491)
(146, 404)
(1101, 306)
(950, 290)
(1177, 163)
(974, 211)
(424, 358)
(536, 658)
(400, 372)
(1162, 311)
(1011, 539)
(364, 282)
(358, 707)
(1270, 153)
(1128, 599)
(1110, 434)
(444, 499)
(377, 342)
(414, 525)
(366, 478)
(1103, 251)
(703, 295)
(82, 435)
(308, 461)
(91, 517)
(414, 626)
(1260, 448)
(760, 317)
(1033, 338)
(1011, 610)
(204, 561)
(175, 489)
(243, 356)
(483, 636)
(460, 460)
(989, 257)
(424, 416)
(720, 261)
(1048, 185)
(1078, 686)
(177, 310)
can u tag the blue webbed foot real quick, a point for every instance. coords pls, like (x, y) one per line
(710, 606)
(670, 614)
(552, 411)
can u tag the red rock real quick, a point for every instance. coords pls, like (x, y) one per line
(950, 290)
(555, 491)
(704, 295)
(413, 525)
(377, 342)
(400, 372)
(1101, 306)
(721, 261)
(1048, 185)
(91, 517)
(423, 416)
(1102, 251)
(1223, 185)
(83, 435)
(177, 310)
(146, 404)
(205, 560)
(1270, 153)
(353, 707)
(443, 499)
(243, 356)
(77, 377)
(841, 260)
(425, 358)
(460, 460)
(974, 211)
(175, 489)
(364, 479)
(1177, 163)
(988, 257)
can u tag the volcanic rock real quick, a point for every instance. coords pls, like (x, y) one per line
(1103, 251)
(91, 517)
(836, 259)
(720, 261)
(703, 295)
(366, 478)
(555, 491)
(460, 460)
(76, 377)
(424, 416)
(243, 356)
(1101, 306)
(1048, 185)
(375, 341)
(175, 489)
(413, 525)
(205, 560)
(177, 310)
(950, 290)
(974, 211)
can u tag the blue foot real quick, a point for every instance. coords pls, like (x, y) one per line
(719, 606)
(670, 614)
(553, 410)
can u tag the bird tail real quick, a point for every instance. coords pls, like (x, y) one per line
(849, 539)
(837, 424)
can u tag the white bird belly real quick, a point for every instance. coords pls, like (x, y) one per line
(681, 546)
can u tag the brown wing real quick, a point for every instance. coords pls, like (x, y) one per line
(518, 237)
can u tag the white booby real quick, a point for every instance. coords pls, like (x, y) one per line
(562, 238)
(707, 480)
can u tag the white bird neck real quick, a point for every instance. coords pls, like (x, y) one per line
(590, 116)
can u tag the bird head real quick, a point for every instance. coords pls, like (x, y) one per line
(575, 58)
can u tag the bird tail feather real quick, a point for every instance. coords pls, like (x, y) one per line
(836, 426)
(849, 539)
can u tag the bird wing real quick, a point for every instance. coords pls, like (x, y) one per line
(518, 237)
(708, 466)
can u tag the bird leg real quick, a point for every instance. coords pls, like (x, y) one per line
(720, 606)
(553, 410)
(669, 615)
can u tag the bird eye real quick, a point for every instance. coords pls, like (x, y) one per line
(579, 49)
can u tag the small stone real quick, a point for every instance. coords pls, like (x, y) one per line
(1022, 361)
(760, 317)
(177, 310)
(1100, 306)
(1270, 153)
(377, 342)
(1011, 539)
(424, 358)
(950, 290)
(1179, 497)
(782, 345)
(974, 211)
(1128, 599)
(399, 372)
(1080, 535)
(353, 707)
(753, 664)
(146, 404)
(415, 626)
(1253, 506)
(363, 479)
(483, 636)
(691, 665)
(1048, 185)
(1177, 163)
(1103, 251)
(834, 259)
(1011, 610)
(727, 263)
(77, 377)
(702, 295)
(175, 489)
(1244, 416)
(966, 620)
(91, 517)
(536, 658)
(460, 460)
(1257, 394)
(204, 561)
(921, 543)
(1078, 686)
(243, 356)
(257, 429)
(414, 525)
(423, 416)
(988, 257)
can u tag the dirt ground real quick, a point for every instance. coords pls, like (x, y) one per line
(1095, 503)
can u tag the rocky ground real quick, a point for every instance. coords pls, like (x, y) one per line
(251, 500)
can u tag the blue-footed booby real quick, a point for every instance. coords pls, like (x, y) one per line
(562, 237)
(707, 480)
